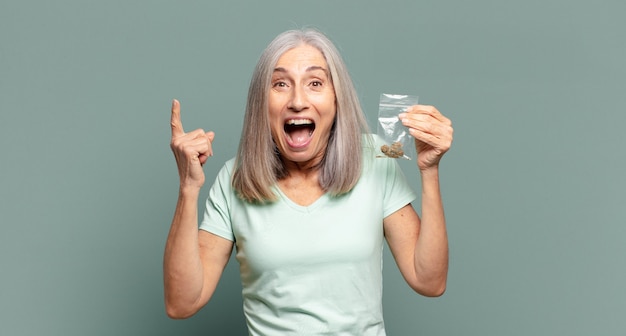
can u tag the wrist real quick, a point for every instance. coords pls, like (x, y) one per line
(430, 181)
(430, 172)
(189, 191)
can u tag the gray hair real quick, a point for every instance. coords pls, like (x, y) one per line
(258, 164)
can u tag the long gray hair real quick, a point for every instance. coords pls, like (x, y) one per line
(258, 164)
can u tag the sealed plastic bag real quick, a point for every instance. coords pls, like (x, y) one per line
(398, 140)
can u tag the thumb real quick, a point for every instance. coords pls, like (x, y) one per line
(203, 157)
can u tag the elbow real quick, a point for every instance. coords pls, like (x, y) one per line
(178, 312)
(433, 289)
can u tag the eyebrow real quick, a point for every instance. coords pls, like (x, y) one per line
(311, 68)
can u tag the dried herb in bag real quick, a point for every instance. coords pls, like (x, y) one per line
(397, 139)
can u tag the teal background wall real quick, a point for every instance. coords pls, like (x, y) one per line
(533, 186)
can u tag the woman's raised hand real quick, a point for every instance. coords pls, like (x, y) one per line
(191, 150)
(432, 132)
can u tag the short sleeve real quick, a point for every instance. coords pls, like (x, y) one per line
(217, 213)
(397, 191)
(395, 188)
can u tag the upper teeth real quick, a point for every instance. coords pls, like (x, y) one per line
(299, 122)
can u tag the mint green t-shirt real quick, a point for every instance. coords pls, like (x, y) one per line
(317, 269)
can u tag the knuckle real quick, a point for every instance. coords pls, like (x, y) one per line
(198, 133)
(174, 144)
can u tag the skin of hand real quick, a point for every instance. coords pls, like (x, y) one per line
(432, 131)
(191, 150)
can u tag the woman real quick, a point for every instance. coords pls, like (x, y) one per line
(306, 203)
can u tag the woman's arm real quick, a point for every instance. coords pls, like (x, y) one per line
(420, 247)
(194, 260)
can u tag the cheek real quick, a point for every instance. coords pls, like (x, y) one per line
(331, 110)
(274, 112)
(275, 101)
(272, 108)
(276, 129)
(327, 105)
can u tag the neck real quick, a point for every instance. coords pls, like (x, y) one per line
(301, 185)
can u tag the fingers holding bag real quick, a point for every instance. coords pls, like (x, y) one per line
(432, 131)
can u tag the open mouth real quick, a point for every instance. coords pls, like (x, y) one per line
(299, 131)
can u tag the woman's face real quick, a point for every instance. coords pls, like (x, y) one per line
(301, 105)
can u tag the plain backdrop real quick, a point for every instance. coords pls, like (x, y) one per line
(533, 185)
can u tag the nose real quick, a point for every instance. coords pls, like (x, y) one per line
(299, 100)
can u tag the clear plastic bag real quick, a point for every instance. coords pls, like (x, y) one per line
(397, 139)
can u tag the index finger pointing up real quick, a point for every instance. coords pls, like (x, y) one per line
(175, 122)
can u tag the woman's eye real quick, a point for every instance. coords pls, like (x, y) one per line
(316, 83)
(279, 84)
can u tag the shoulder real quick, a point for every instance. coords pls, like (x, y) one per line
(371, 141)
(227, 168)
(224, 176)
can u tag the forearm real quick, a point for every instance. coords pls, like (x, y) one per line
(182, 265)
(431, 250)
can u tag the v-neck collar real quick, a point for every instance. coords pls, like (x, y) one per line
(301, 208)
